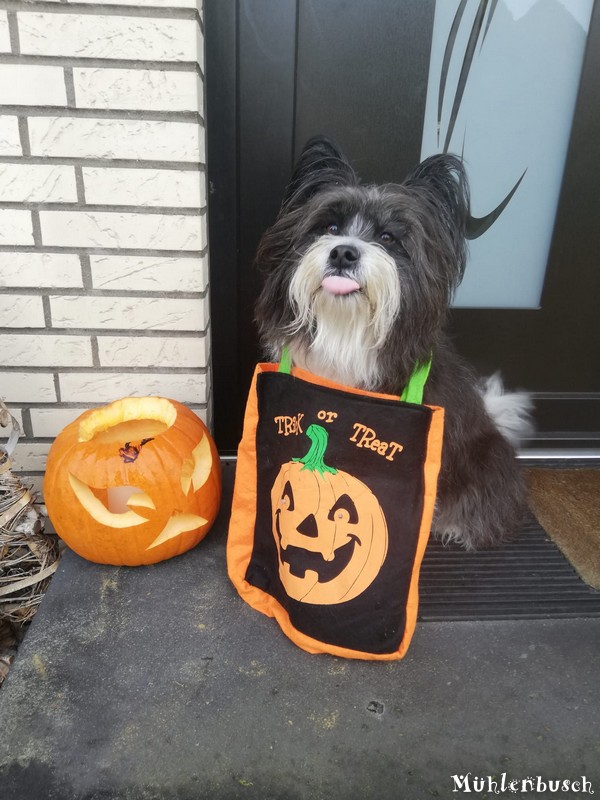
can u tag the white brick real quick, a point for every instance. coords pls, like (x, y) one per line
(122, 351)
(35, 483)
(200, 48)
(149, 90)
(150, 273)
(15, 227)
(40, 269)
(153, 140)
(4, 33)
(200, 412)
(97, 387)
(23, 387)
(200, 99)
(122, 230)
(33, 183)
(97, 36)
(30, 85)
(49, 422)
(21, 311)
(10, 143)
(128, 313)
(18, 415)
(45, 351)
(145, 187)
(31, 456)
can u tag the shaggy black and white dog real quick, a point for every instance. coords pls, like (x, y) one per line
(358, 280)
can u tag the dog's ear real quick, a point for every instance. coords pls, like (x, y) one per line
(441, 181)
(321, 164)
(445, 177)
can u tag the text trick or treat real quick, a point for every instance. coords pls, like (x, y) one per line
(134, 482)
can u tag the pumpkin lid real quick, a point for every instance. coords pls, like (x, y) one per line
(128, 418)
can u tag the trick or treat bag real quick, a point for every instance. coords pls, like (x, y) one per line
(332, 507)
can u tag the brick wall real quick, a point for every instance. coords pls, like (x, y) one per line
(103, 252)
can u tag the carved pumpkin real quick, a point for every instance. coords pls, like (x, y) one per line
(329, 528)
(134, 482)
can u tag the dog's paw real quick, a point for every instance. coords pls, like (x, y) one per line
(453, 535)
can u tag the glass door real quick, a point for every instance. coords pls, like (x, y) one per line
(503, 81)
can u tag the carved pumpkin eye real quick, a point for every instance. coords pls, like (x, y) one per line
(134, 482)
(196, 468)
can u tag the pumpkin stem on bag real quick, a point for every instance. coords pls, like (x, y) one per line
(313, 460)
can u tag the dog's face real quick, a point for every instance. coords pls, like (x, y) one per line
(353, 273)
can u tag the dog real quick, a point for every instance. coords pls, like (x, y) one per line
(357, 284)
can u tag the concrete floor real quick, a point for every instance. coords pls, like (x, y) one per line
(159, 683)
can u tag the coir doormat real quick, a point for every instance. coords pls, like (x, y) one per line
(566, 502)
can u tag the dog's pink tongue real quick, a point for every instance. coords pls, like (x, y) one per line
(337, 284)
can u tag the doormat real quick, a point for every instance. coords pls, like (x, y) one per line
(566, 503)
(525, 578)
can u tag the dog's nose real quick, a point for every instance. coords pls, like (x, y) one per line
(344, 256)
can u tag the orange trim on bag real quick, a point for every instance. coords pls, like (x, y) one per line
(240, 540)
(243, 514)
(433, 462)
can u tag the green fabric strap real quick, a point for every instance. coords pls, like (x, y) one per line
(285, 365)
(413, 391)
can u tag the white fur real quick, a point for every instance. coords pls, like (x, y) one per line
(347, 329)
(510, 411)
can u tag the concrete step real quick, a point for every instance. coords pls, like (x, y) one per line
(159, 683)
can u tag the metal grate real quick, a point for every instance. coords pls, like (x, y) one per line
(525, 579)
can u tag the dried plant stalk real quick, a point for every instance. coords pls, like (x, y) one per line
(28, 556)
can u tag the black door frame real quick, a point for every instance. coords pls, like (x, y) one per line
(249, 153)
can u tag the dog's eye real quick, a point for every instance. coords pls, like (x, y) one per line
(386, 237)
(333, 229)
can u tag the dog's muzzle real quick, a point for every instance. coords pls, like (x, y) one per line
(344, 258)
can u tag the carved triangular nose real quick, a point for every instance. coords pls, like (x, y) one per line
(308, 527)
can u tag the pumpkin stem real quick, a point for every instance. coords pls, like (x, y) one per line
(313, 460)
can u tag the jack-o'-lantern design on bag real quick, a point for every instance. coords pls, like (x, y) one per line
(329, 528)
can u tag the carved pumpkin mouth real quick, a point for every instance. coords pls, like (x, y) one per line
(113, 507)
(300, 561)
(102, 508)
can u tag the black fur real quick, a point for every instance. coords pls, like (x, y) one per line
(481, 497)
